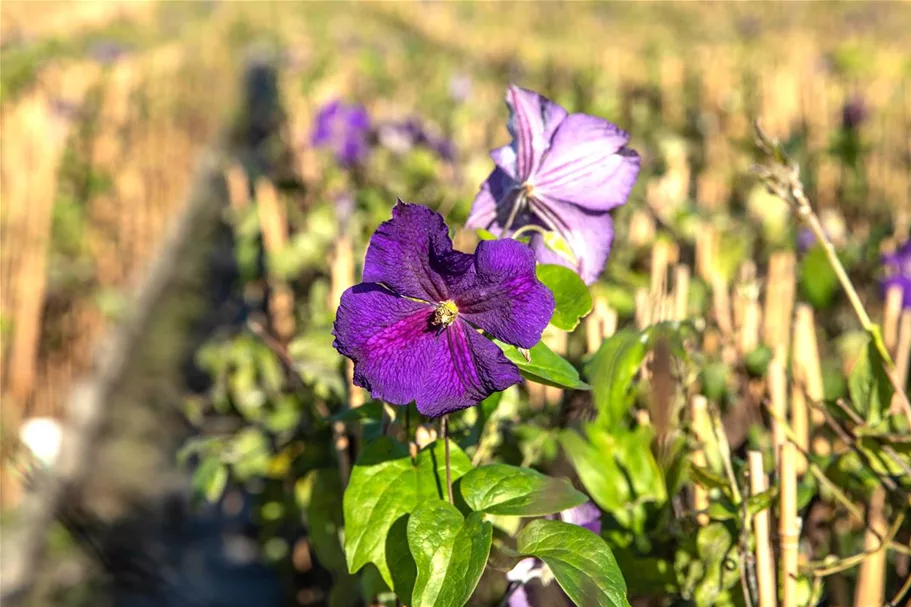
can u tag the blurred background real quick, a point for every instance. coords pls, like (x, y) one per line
(134, 137)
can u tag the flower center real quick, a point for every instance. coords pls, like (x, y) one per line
(445, 314)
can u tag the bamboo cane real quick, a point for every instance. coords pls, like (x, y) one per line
(765, 563)
(788, 525)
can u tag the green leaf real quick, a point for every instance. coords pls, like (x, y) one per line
(818, 282)
(324, 519)
(708, 479)
(556, 243)
(484, 234)
(599, 473)
(431, 471)
(573, 299)
(210, 478)
(761, 501)
(381, 490)
(544, 367)
(869, 386)
(369, 410)
(611, 372)
(503, 489)
(450, 554)
(385, 487)
(581, 561)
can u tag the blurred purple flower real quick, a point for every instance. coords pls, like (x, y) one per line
(107, 52)
(805, 239)
(897, 267)
(411, 326)
(344, 129)
(854, 113)
(587, 516)
(402, 136)
(562, 173)
(460, 87)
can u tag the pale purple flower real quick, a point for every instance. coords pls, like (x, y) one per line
(107, 52)
(563, 173)
(897, 267)
(411, 326)
(460, 87)
(586, 515)
(345, 130)
(401, 136)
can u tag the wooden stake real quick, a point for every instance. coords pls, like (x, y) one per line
(778, 395)
(681, 292)
(788, 525)
(871, 579)
(765, 563)
(779, 300)
(808, 381)
(274, 225)
(700, 422)
(660, 254)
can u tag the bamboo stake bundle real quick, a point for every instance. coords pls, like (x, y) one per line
(659, 263)
(681, 293)
(807, 368)
(699, 419)
(765, 563)
(274, 225)
(600, 324)
(643, 309)
(641, 229)
(779, 301)
(788, 524)
(33, 191)
(721, 304)
(706, 250)
(891, 314)
(777, 380)
(871, 578)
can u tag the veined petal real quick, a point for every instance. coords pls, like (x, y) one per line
(467, 368)
(488, 211)
(533, 120)
(389, 338)
(587, 164)
(502, 295)
(412, 254)
(588, 233)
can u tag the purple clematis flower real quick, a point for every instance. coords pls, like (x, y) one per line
(898, 272)
(587, 515)
(563, 173)
(410, 327)
(344, 129)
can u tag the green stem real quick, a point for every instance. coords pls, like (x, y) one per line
(444, 424)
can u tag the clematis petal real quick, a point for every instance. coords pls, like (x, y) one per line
(389, 338)
(589, 235)
(533, 120)
(490, 207)
(587, 164)
(467, 368)
(412, 254)
(502, 295)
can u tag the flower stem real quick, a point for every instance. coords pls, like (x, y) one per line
(444, 426)
(783, 180)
